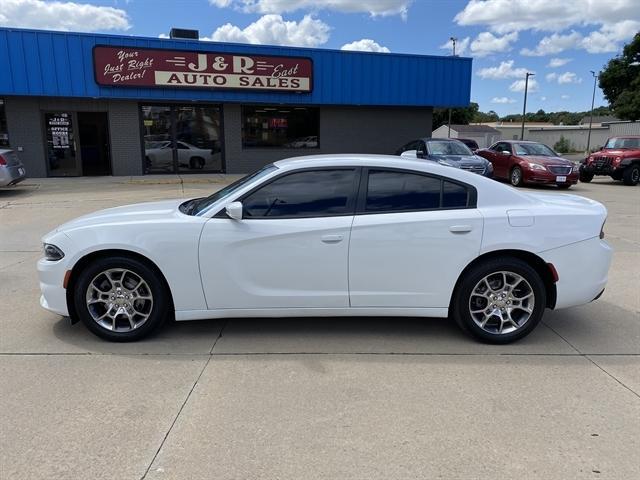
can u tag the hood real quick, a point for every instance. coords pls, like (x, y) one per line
(618, 152)
(138, 212)
(541, 159)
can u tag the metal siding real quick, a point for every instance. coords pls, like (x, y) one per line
(61, 64)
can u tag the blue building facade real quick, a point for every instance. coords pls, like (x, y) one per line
(86, 104)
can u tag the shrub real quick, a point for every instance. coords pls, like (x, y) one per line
(563, 145)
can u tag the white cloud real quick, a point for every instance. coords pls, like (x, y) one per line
(505, 16)
(461, 46)
(558, 62)
(563, 78)
(502, 71)
(365, 45)
(59, 15)
(518, 85)
(274, 30)
(564, 97)
(544, 99)
(555, 43)
(502, 100)
(486, 43)
(163, 35)
(372, 7)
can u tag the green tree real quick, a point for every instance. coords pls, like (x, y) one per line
(459, 116)
(620, 81)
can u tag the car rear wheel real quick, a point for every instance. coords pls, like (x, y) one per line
(499, 301)
(196, 163)
(631, 175)
(516, 176)
(121, 299)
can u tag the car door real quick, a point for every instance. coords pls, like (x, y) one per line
(412, 236)
(290, 248)
(501, 162)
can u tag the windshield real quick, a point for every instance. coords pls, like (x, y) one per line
(194, 207)
(448, 148)
(533, 149)
(623, 143)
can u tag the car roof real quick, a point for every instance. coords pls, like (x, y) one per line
(626, 136)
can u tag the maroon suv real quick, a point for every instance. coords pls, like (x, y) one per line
(619, 159)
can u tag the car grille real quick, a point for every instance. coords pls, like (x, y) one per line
(473, 168)
(600, 162)
(560, 169)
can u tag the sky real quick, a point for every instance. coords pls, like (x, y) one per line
(560, 41)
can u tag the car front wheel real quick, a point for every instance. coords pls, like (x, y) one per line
(121, 299)
(499, 301)
(631, 175)
(516, 176)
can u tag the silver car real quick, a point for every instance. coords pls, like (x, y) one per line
(11, 169)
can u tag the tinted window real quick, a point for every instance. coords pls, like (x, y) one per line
(454, 195)
(303, 194)
(280, 127)
(396, 191)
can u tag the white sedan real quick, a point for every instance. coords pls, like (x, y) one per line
(338, 235)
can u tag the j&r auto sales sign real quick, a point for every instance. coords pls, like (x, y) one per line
(141, 67)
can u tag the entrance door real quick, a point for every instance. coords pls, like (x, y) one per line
(94, 143)
(62, 154)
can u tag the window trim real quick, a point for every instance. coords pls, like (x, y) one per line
(351, 201)
(363, 190)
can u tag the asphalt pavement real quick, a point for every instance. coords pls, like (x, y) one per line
(363, 398)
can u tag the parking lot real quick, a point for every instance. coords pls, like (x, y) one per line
(365, 398)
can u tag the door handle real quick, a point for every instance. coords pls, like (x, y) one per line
(332, 238)
(460, 228)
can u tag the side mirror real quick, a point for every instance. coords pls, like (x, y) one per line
(409, 154)
(234, 210)
(505, 152)
(421, 154)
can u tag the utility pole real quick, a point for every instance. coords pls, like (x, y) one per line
(524, 107)
(593, 98)
(453, 40)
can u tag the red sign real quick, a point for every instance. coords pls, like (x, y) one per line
(141, 67)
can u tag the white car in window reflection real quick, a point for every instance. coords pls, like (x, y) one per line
(159, 155)
(350, 235)
(303, 142)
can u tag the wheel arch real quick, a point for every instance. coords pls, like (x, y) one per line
(86, 259)
(537, 263)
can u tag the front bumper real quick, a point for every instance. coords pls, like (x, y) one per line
(12, 175)
(51, 278)
(601, 169)
(548, 178)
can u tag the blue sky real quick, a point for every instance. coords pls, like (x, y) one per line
(561, 41)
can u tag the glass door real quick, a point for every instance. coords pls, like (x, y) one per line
(157, 137)
(62, 154)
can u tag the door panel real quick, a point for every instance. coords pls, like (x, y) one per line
(411, 259)
(62, 155)
(275, 263)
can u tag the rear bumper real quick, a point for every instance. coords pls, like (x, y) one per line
(12, 175)
(583, 269)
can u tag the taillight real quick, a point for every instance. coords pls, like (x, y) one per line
(3, 161)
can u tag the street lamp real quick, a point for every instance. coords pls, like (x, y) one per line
(593, 97)
(453, 41)
(524, 107)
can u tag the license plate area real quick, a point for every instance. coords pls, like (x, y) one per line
(561, 178)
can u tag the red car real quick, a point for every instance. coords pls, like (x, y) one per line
(619, 158)
(523, 162)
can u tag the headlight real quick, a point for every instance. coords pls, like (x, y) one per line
(52, 253)
(536, 166)
(576, 167)
(444, 162)
(489, 166)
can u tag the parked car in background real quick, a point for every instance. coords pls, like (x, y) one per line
(159, 155)
(469, 142)
(303, 142)
(332, 235)
(521, 162)
(11, 169)
(446, 151)
(619, 158)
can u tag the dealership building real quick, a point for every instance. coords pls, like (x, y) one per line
(75, 104)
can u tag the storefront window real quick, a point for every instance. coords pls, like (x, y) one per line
(182, 138)
(281, 127)
(4, 131)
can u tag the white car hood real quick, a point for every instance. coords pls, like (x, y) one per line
(139, 212)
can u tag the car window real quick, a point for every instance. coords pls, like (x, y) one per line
(182, 146)
(447, 147)
(534, 149)
(389, 191)
(454, 195)
(314, 193)
(502, 146)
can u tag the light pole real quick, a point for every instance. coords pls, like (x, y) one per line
(453, 40)
(524, 107)
(593, 98)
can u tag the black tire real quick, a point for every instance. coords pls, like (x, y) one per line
(586, 177)
(196, 163)
(515, 176)
(158, 312)
(631, 175)
(460, 305)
